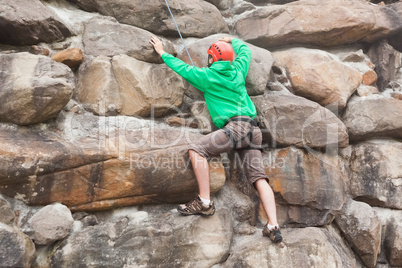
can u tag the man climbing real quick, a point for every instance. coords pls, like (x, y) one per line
(232, 111)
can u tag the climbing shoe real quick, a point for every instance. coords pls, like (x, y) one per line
(197, 207)
(274, 234)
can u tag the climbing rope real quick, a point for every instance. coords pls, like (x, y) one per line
(177, 27)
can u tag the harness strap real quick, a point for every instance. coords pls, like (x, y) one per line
(234, 142)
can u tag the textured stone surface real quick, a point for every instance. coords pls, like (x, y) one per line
(325, 23)
(306, 247)
(51, 223)
(362, 228)
(189, 15)
(319, 76)
(28, 23)
(292, 120)
(16, 249)
(107, 37)
(33, 89)
(139, 238)
(152, 167)
(376, 168)
(311, 185)
(72, 57)
(6, 213)
(364, 121)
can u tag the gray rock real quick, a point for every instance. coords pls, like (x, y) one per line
(292, 120)
(304, 248)
(391, 238)
(51, 223)
(135, 238)
(387, 63)
(364, 121)
(154, 15)
(143, 92)
(319, 76)
(334, 23)
(16, 249)
(377, 173)
(311, 186)
(362, 228)
(33, 89)
(6, 213)
(107, 37)
(29, 23)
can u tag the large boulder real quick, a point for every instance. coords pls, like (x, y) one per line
(7, 215)
(51, 223)
(127, 86)
(266, 2)
(392, 235)
(387, 63)
(319, 76)
(107, 37)
(396, 40)
(324, 23)
(362, 228)
(16, 249)
(292, 120)
(310, 185)
(376, 177)
(363, 119)
(155, 17)
(304, 248)
(147, 238)
(28, 23)
(110, 164)
(33, 88)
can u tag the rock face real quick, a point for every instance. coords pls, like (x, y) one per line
(16, 249)
(51, 223)
(363, 122)
(319, 76)
(313, 22)
(308, 247)
(376, 173)
(188, 15)
(128, 87)
(137, 166)
(311, 185)
(33, 89)
(362, 228)
(126, 239)
(95, 131)
(292, 120)
(29, 23)
(107, 37)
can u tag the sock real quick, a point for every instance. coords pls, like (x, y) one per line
(270, 227)
(205, 201)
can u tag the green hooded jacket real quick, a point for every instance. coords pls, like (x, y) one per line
(223, 84)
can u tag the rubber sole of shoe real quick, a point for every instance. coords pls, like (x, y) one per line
(184, 213)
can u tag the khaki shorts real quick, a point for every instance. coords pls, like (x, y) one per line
(218, 142)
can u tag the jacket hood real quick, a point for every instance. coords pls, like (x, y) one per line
(224, 68)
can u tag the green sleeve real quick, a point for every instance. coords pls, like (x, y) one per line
(194, 75)
(243, 58)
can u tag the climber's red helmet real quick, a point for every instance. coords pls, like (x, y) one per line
(220, 51)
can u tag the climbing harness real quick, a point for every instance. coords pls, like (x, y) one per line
(177, 27)
(235, 142)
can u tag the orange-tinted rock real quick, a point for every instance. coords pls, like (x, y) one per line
(72, 57)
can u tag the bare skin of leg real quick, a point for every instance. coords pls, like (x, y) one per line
(267, 199)
(201, 170)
